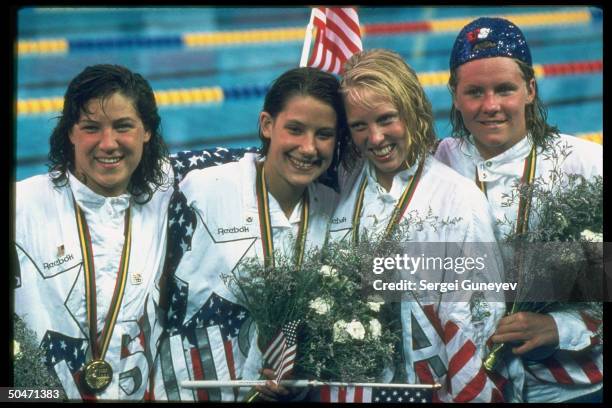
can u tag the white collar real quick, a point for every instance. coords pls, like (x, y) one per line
(507, 163)
(277, 216)
(399, 180)
(87, 198)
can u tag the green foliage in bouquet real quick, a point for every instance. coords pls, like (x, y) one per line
(29, 368)
(348, 335)
(562, 248)
(343, 335)
(274, 296)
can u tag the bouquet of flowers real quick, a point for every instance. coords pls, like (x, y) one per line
(559, 259)
(347, 334)
(342, 334)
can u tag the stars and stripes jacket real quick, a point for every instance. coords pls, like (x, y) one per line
(444, 335)
(209, 334)
(576, 367)
(50, 287)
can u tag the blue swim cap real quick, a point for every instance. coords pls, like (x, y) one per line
(488, 37)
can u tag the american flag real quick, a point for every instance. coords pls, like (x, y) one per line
(374, 395)
(280, 354)
(216, 326)
(59, 347)
(63, 352)
(185, 161)
(338, 37)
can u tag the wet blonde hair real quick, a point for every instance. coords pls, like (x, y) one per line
(385, 73)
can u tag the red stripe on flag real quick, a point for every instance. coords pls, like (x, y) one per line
(557, 370)
(338, 37)
(589, 367)
(450, 329)
(460, 358)
(358, 394)
(229, 355)
(347, 19)
(198, 373)
(325, 394)
(473, 388)
(342, 394)
(344, 39)
(422, 371)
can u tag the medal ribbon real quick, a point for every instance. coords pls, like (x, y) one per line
(522, 219)
(266, 227)
(90, 283)
(398, 211)
(529, 168)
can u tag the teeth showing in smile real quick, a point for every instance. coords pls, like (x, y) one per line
(301, 164)
(108, 160)
(383, 151)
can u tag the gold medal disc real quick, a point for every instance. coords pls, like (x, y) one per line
(98, 375)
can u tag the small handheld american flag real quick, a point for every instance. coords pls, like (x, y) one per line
(280, 354)
(338, 38)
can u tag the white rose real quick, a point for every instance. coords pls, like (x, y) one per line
(320, 305)
(375, 328)
(327, 270)
(590, 236)
(375, 306)
(356, 330)
(339, 331)
(16, 348)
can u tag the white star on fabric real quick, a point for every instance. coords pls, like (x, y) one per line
(201, 281)
(193, 160)
(184, 246)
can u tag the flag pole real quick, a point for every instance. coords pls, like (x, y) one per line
(301, 384)
(307, 40)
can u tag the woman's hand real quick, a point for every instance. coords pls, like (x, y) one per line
(533, 329)
(271, 391)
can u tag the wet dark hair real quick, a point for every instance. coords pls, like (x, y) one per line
(538, 129)
(102, 82)
(317, 84)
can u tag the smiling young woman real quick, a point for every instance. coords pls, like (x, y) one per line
(90, 238)
(262, 206)
(393, 184)
(501, 138)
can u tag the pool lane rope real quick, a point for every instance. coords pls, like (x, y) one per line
(239, 37)
(217, 94)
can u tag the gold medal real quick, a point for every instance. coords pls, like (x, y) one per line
(98, 374)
